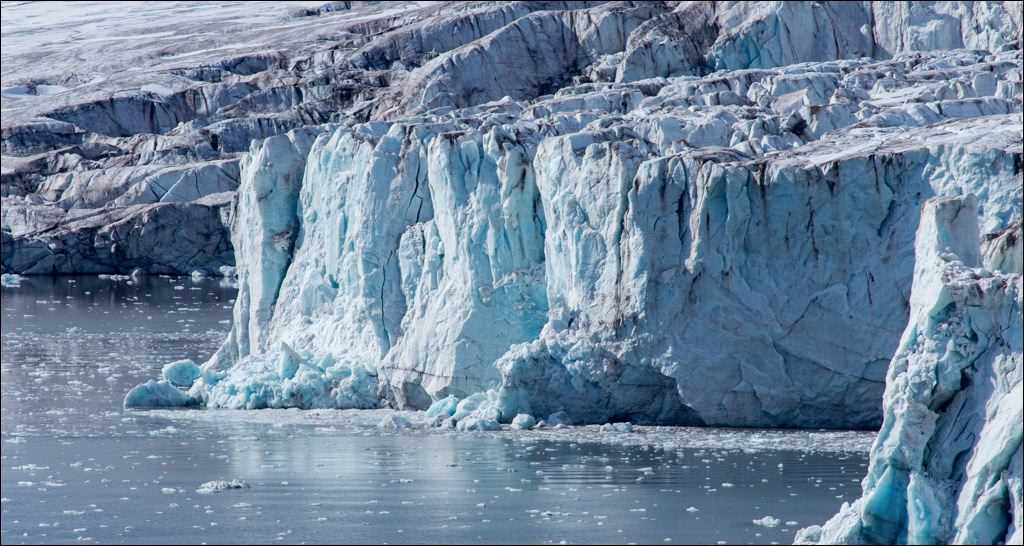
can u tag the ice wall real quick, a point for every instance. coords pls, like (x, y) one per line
(676, 249)
(946, 467)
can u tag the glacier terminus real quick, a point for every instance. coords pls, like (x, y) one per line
(541, 215)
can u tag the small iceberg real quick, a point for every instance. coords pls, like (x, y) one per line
(219, 486)
(523, 421)
(181, 373)
(158, 394)
(767, 521)
(11, 280)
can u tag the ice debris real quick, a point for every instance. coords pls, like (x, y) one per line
(394, 422)
(767, 521)
(218, 486)
(11, 280)
(523, 421)
(444, 407)
(287, 378)
(181, 373)
(617, 427)
(158, 394)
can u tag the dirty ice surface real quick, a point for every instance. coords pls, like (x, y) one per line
(78, 467)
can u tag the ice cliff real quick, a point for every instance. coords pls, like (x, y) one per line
(651, 212)
(946, 467)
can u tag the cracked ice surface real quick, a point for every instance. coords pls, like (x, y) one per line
(678, 249)
(946, 467)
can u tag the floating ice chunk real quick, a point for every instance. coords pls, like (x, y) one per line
(227, 271)
(477, 423)
(693, 509)
(617, 427)
(158, 394)
(394, 422)
(181, 373)
(558, 418)
(217, 486)
(444, 407)
(767, 521)
(11, 280)
(168, 490)
(523, 421)
(198, 275)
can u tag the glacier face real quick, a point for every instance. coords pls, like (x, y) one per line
(946, 466)
(651, 244)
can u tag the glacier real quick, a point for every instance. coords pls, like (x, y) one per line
(644, 244)
(543, 214)
(946, 466)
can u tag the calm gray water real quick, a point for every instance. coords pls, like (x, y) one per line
(76, 467)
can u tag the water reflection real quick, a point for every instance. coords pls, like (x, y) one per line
(78, 467)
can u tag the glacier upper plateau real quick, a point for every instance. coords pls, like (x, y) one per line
(543, 214)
